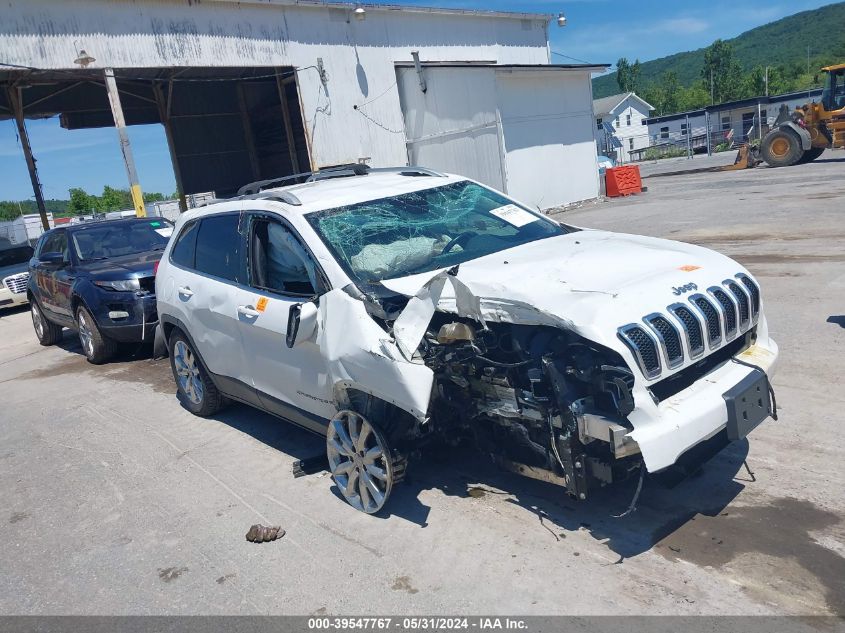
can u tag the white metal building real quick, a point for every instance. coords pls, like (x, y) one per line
(209, 72)
(522, 129)
(626, 113)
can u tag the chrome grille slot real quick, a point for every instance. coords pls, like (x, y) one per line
(691, 327)
(711, 317)
(17, 283)
(644, 348)
(728, 310)
(742, 302)
(753, 292)
(669, 339)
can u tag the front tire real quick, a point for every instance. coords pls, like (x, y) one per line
(48, 333)
(97, 347)
(362, 464)
(781, 148)
(196, 391)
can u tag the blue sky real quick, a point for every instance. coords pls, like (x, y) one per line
(597, 31)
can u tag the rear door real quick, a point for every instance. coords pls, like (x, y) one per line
(291, 382)
(206, 295)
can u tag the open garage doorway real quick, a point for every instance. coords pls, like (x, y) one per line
(225, 127)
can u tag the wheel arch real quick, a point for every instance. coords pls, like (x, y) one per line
(394, 420)
(803, 134)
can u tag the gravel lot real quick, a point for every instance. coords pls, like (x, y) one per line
(115, 500)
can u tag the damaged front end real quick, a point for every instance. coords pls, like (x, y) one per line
(541, 401)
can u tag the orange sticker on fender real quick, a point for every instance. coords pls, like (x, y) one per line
(261, 306)
(688, 268)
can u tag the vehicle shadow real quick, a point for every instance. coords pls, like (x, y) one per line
(462, 472)
(837, 320)
(276, 433)
(13, 310)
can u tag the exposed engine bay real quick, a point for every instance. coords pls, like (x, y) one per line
(541, 401)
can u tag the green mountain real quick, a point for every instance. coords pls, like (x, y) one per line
(780, 43)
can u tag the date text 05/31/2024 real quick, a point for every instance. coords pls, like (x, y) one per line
(431, 623)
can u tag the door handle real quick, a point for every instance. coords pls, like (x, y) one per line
(248, 311)
(184, 290)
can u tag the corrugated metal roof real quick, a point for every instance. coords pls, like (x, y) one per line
(349, 6)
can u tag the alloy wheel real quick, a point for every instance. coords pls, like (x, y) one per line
(359, 460)
(188, 372)
(37, 320)
(85, 335)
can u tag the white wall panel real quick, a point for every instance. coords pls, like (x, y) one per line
(547, 124)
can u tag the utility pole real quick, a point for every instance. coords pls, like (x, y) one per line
(16, 102)
(711, 87)
(125, 148)
(767, 81)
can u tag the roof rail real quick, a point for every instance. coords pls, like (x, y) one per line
(353, 169)
(282, 196)
(340, 171)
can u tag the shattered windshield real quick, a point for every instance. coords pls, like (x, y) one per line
(426, 230)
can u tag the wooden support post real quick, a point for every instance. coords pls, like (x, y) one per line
(125, 148)
(163, 104)
(294, 160)
(16, 102)
(248, 136)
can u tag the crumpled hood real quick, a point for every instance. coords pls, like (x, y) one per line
(591, 281)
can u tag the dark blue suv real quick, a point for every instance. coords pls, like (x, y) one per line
(98, 279)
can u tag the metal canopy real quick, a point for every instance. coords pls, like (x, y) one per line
(225, 126)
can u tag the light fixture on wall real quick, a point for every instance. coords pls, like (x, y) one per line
(83, 59)
(561, 19)
(359, 13)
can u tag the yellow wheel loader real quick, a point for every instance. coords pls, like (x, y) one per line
(802, 135)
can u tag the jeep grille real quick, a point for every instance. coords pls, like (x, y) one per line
(680, 334)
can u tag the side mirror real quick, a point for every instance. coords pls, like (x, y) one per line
(51, 259)
(302, 323)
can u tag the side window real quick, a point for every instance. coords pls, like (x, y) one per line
(56, 243)
(218, 246)
(183, 250)
(39, 246)
(278, 262)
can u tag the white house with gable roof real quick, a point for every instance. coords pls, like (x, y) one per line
(626, 114)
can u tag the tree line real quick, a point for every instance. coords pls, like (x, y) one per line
(721, 79)
(80, 202)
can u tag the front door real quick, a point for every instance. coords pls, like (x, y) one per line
(291, 382)
(54, 280)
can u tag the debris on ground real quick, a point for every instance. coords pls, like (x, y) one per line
(264, 534)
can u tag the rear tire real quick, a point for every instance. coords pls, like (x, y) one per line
(97, 347)
(195, 389)
(781, 148)
(811, 154)
(48, 333)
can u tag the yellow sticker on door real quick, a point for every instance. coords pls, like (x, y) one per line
(261, 306)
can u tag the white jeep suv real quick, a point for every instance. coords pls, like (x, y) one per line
(384, 308)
